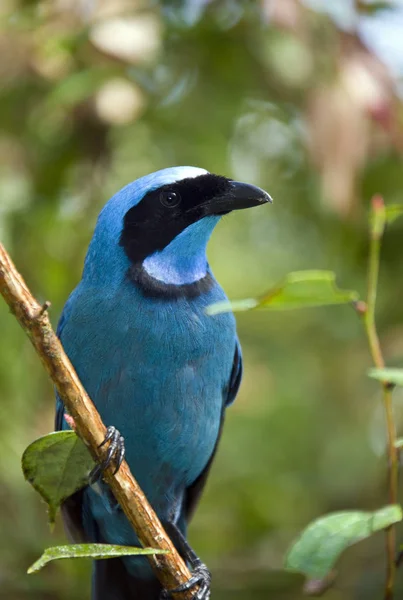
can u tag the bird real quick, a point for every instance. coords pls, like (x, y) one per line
(160, 370)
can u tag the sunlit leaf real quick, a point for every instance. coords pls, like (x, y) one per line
(393, 211)
(97, 551)
(319, 546)
(298, 290)
(390, 375)
(57, 465)
(307, 288)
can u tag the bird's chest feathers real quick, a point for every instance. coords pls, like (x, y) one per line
(181, 355)
(157, 371)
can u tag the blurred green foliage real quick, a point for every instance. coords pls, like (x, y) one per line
(94, 94)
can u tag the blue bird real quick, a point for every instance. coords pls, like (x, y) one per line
(160, 371)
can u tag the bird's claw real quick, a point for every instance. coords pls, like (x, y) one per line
(201, 577)
(115, 453)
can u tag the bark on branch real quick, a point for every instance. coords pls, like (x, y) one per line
(33, 318)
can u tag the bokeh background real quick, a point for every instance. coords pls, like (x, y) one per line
(303, 98)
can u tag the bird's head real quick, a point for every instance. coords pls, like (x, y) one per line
(162, 222)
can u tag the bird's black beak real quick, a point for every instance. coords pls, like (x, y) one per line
(238, 195)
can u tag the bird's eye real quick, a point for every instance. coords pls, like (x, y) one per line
(170, 199)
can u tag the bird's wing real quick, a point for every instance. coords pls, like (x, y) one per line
(194, 491)
(236, 376)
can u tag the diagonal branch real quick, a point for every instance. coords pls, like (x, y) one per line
(169, 568)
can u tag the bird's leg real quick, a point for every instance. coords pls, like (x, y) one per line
(201, 576)
(116, 453)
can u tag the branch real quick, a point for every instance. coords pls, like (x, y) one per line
(169, 568)
(367, 313)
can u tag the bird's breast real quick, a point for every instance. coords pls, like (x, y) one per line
(156, 371)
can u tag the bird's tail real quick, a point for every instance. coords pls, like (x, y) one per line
(112, 581)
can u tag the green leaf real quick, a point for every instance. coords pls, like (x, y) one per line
(97, 551)
(57, 465)
(319, 546)
(298, 290)
(390, 375)
(393, 211)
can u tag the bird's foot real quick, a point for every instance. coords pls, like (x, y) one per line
(115, 454)
(201, 580)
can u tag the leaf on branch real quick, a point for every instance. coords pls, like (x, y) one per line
(57, 465)
(319, 546)
(393, 211)
(394, 376)
(97, 551)
(299, 289)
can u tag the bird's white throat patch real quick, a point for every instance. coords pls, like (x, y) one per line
(171, 270)
(184, 260)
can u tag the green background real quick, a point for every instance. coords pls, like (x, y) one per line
(96, 94)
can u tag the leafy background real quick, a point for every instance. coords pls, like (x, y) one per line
(300, 97)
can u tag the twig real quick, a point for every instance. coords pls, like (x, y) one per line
(169, 568)
(367, 313)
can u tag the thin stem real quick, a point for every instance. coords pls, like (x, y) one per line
(368, 316)
(393, 472)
